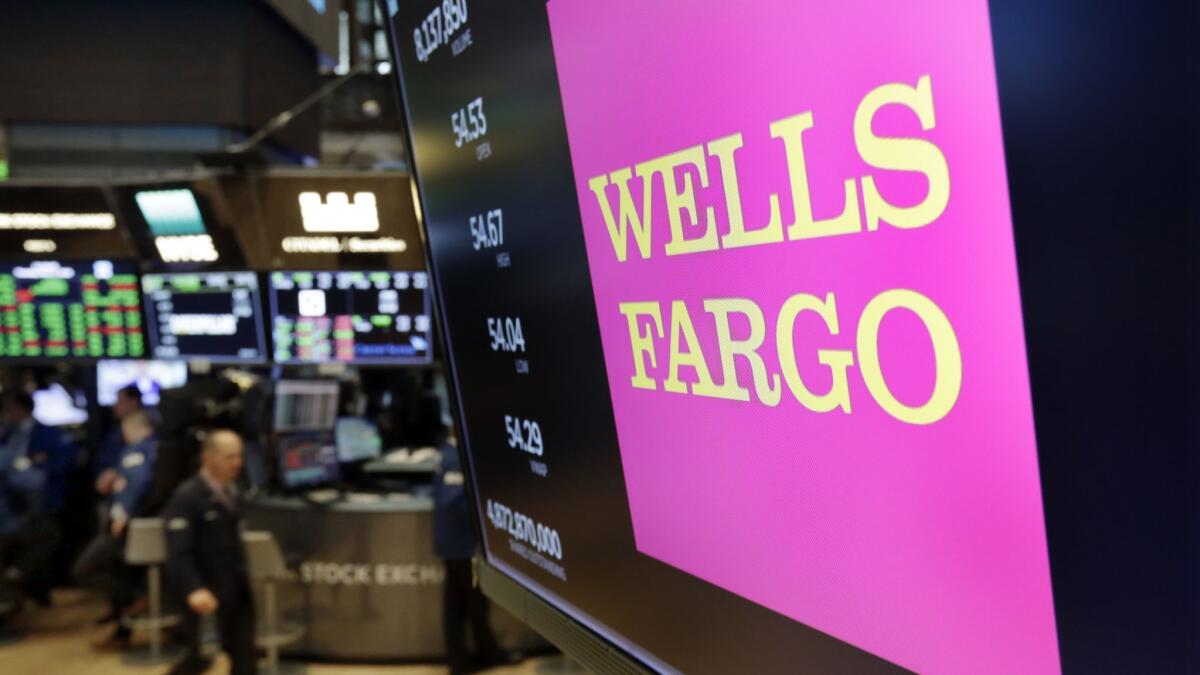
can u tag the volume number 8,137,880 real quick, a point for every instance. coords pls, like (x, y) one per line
(437, 28)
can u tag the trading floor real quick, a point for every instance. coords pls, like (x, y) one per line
(59, 637)
(627, 337)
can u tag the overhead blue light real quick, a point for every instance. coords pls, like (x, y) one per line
(170, 212)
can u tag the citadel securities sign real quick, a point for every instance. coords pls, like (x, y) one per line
(801, 251)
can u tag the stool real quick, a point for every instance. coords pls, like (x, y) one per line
(146, 544)
(265, 565)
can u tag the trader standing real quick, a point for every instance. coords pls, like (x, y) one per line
(206, 563)
(26, 441)
(464, 607)
(108, 453)
(102, 562)
(48, 446)
(21, 485)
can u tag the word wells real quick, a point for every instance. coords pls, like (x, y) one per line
(900, 154)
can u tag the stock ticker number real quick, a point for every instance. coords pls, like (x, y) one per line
(438, 27)
(469, 124)
(525, 435)
(522, 528)
(487, 232)
(506, 334)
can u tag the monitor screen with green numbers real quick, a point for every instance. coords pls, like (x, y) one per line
(53, 310)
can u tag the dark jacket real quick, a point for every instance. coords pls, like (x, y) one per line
(204, 544)
(136, 465)
(22, 483)
(108, 452)
(453, 536)
(53, 450)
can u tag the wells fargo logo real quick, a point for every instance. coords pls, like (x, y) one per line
(649, 324)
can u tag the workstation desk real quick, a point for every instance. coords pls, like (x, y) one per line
(363, 580)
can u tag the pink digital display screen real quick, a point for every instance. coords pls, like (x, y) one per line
(799, 241)
(733, 326)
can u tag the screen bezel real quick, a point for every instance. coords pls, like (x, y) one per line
(281, 430)
(128, 264)
(152, 326)
(273, 310)
(505, 585)
(1118, 563)
(101, 363)
(333, 467)
(356, 460)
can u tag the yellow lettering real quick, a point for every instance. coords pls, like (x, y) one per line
(901, 154)
(680, 199)
(681, 327)
(766, 388)
(723, 149)
(947, 357)
(619, 234)
(791, 130)
(837, 360)
(642, 343)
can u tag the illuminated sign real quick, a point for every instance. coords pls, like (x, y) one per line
(210, 315)
(343, 245)
(365, 317)
(57, 221)
(40, 246)
(51, 309)
(186, 248)
(819, 264)
(178, 227)
(54, 270)
(337, 213)
(170, 212)
(203, 324)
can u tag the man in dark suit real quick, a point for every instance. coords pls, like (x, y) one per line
(41, 444)
(25, 440)
(464, 606)
(206, 562)
(102, 562)
(108, 452)
(21, 485)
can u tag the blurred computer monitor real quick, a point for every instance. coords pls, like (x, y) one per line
(204, 315)
(151, 378)
(255, 469)
(305, 405)
(357, 440)
(307, 460)
(54, 406)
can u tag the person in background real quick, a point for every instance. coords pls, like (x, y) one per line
(21, 485)
(135, 467)
(104, 462)
(49, 449)
(128, 489)
(206, 561)
(463, 604)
